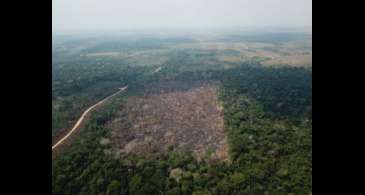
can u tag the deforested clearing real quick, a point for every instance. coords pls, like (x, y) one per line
(186, 116)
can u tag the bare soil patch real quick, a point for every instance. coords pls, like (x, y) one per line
(183, 115)
(294, 60)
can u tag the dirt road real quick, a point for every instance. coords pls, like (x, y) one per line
(83, 116)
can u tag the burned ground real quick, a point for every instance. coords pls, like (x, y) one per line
(187, 116)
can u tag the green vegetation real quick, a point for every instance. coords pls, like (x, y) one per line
(267, 115)
(79, 83)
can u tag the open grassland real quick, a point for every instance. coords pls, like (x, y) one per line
(295, 53)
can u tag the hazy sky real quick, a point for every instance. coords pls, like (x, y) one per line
(129, 14)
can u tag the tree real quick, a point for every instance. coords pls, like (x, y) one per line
(113, 188)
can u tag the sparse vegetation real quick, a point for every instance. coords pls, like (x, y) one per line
(184, 115)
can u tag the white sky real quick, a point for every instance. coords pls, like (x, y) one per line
(129, 14)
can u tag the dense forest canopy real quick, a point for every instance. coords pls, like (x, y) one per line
(267, 115)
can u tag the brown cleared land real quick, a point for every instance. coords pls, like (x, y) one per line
(183, 115)
(294, 60)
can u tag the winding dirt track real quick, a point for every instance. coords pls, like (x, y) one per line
(84, 114)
